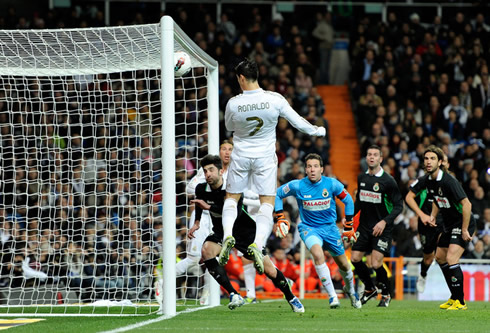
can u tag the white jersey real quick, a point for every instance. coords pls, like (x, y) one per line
(253, 116)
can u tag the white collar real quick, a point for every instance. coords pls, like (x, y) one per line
(439, 175)
(377, 174)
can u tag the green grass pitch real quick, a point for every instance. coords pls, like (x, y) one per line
(276, 315)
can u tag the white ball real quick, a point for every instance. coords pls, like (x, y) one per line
(182, 63)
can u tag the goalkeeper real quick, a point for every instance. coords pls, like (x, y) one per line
(315, 195)
(211, 196)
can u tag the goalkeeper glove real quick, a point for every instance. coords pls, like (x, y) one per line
(282, 225)
(349, 234)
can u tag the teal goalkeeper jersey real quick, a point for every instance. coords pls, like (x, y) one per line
(316, 201)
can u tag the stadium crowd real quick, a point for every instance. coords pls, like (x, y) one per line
(88, 192)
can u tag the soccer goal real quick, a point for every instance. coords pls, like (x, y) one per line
(98, 139)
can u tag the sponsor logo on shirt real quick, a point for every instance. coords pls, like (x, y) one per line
(286, 189)
(368, 196)
(363, 184)
(307, 196)
(442, 202)
(314, 205)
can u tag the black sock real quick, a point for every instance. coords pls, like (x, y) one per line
(457, 280)
(363, 272)
(281, 283)
(219, 274)
(382, 279)
(447, 277)
(423, 268)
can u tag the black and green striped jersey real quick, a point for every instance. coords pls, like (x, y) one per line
(378, 198)
(419, 187)
(422, 197)
(447, 193)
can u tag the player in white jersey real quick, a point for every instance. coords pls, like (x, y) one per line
(252, 117)
(194, 245)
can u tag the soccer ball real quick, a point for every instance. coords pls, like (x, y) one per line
(182, 63)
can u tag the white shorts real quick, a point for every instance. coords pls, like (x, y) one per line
(194, 245)
(262, 172)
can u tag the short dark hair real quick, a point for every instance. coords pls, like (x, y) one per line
(313, 156)
(249, 69)
(436, 150)
(375, 147)
(212, 159)
(226, 142)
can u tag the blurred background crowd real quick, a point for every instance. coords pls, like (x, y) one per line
(80, 182)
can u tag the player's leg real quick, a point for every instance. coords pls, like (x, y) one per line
(194, 246)
(348, 277)
(428, 238)
(280, 281)
(441, 259)
(210, 250)
(314, 242)
(454, 253)
(264, 179)
(230, 213)
(236, 182)
(359, 249)
(249, 278)
(382, 281)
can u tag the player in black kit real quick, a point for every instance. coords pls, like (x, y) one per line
(380, 202)
(421, 203)
(210, 196)
(458, 222)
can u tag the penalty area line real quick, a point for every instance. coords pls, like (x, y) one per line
(151, 321)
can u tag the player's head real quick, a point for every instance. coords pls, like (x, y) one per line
(374, 156)
(213, 169)
(433, 157)
(249, 69)
(225, 150)
(314, 167)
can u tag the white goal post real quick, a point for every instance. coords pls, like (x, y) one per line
(97, 140)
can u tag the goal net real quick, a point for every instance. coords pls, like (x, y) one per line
(98, 139)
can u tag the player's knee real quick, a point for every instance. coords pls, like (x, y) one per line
(266, 209)
(230, 204)
(207, 252)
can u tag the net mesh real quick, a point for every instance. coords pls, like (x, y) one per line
(80, 169)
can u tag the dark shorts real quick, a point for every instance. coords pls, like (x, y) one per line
(453, 235)
(429, 236)
(243, 231)
(366, 242)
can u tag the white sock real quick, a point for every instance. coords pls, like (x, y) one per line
(229, 216)
(185, 264)
(264, 222)
(348, 280)
(324, 275)
(249, 277)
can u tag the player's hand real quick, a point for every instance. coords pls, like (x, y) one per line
(432, 221)
(379, 228)
(201, 203)
(321, 131)
(349, 234)
(425, 219)
(282, 225)
(194, 228)
(466, 235)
